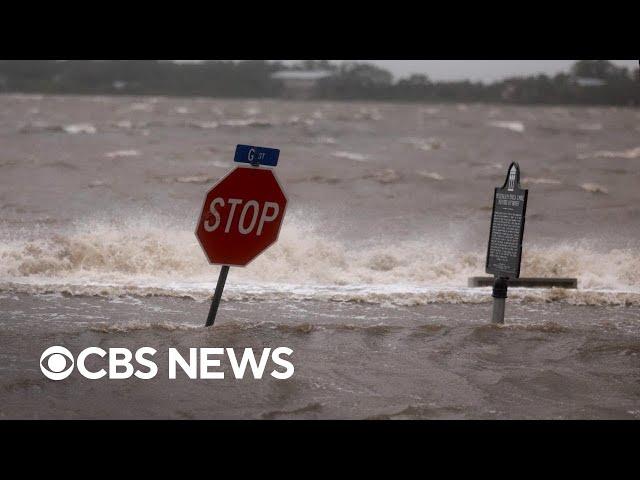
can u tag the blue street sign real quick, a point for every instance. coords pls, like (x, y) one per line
(257, 155)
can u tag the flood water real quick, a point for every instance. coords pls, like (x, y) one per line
(388, 215)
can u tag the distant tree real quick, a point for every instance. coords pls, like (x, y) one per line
(354, 80)
(366, 74)
(317, 65)
(602, 69)
(415, 80)
(415, 87)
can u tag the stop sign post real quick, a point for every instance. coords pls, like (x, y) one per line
(241, 215)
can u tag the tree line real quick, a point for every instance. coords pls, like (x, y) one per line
(589, 82)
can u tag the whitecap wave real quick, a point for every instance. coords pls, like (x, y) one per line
(122, 154)
(143, 257)
(594, 188)
(513, 126)
(358, 157)
(76, 128)
(631, 153)
(541, 181)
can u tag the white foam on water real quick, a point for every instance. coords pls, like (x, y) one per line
(144, 258)
(77, 128)
(368, 114)
(219, 163)
(430, 175)
(122, 154)
(205, 125)
(252, 111)
(358, 157)
(249, 122)
(298, 120)
(509, 125)
(631, 153)
(140, 107)
(26, 97)
(430, 111)
(386, 176)
(426, 144)
(541, 181)
(594, 188)
(97, 183)
(197, 179)
(324, 140)
(124, 124)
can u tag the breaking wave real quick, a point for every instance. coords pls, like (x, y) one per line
(594, 188)
(631, 153)
(358, 157)
(143, 259)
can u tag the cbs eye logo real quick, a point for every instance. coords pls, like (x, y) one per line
(56, 363)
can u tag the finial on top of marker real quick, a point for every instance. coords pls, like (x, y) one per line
(257, 156)
(513, 177)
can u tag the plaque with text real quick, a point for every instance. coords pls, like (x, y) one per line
(507, 227)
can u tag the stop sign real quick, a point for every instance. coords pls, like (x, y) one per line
(241, 216)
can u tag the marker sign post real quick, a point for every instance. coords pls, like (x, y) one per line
(241, 215)
(504, 252)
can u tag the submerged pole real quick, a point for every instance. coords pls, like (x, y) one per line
(215, 302)
(499, 295)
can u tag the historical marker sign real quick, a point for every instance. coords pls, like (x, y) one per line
(507, 227)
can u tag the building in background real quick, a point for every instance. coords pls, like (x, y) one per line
(300, 83)
(589, 82)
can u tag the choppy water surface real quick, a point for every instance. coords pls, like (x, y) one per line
(388, 215)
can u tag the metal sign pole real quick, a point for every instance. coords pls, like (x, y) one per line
(499, 295)
(215, 302)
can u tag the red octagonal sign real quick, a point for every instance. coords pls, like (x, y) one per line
(241, 216)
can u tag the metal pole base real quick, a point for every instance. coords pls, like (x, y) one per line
(215, 302)
(498, 311)
(499, 295)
